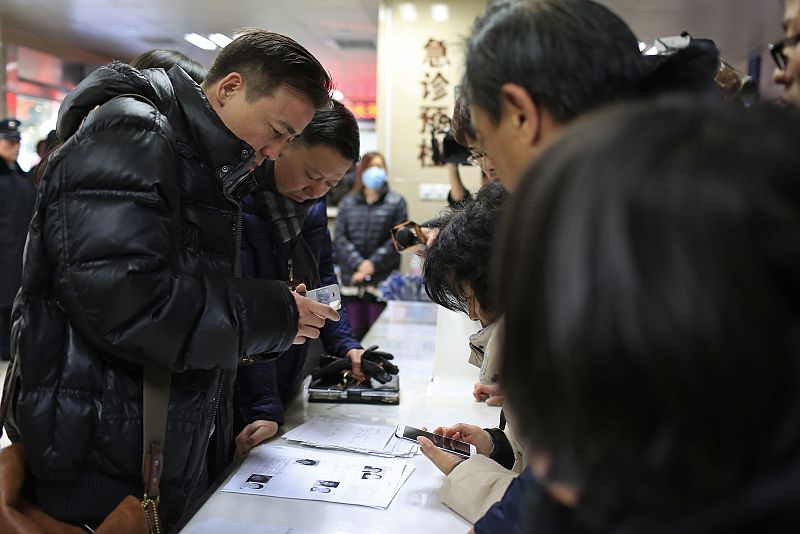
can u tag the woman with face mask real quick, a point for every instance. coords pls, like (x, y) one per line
(363, 244)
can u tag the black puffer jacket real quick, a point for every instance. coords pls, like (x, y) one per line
(132, 257)
(363, 232)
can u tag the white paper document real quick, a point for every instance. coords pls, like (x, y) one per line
(318, 476)
(327, 433)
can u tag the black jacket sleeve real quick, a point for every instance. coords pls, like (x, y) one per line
(347, 254)
(385, 256)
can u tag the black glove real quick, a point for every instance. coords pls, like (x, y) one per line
(331, 369)
(374, 363)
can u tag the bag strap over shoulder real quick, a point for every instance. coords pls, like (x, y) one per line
(155, 400)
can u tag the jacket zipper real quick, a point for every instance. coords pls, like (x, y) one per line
(233, 184)
(212, 428)
(230, 184)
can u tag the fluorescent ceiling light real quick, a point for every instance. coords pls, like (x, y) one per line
(408, 12)
(200, 41)
(440, 12)
(337, 94)
(220, 39)
(642, 46)
(652, 52)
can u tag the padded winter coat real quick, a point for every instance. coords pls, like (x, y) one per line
(133, 260)
(363, 232)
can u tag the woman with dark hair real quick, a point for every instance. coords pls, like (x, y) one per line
(364, 249)
(456, 276)
(456, 272)
(651, 349)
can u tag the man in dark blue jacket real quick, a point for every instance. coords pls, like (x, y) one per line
(286, 238)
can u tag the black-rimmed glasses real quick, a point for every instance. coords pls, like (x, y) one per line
(777, 50)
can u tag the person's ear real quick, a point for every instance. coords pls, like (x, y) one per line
(227, 87)
(523, 111)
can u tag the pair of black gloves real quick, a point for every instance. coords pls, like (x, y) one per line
(374, 364)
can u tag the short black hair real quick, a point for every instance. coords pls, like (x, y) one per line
(463, 131)
(650, 267)
(335, 127)
(569, 55)
(458, 260)
(163, 58)
(268, 61)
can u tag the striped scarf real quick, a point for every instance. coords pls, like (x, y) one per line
(286, 216)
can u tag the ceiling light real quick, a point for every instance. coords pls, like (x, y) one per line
(642, 46)
(652, 52)
(408, 12)
(200, 41)
(219, 39)
(440, 12)
(337, 94)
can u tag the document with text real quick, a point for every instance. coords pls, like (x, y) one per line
(318, 476)
(329, 433)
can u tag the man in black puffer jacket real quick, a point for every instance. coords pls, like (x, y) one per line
(133, 260)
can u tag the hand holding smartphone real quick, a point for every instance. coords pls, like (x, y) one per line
(330, 295)
(453, 446)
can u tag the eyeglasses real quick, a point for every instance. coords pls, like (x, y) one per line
(476, 158)
(776, 50)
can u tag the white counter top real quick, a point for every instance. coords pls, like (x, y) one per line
(423, 402)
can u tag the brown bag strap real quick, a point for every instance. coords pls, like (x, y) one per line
(155, 402)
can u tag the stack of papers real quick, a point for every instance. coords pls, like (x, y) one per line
(317, 476)
(326, 433)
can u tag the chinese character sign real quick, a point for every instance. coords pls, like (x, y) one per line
(435, 107)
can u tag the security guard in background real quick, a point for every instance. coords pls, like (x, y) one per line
(17, 197)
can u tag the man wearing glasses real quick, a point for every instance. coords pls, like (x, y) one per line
(787, 55)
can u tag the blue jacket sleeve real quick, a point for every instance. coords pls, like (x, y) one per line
(337, 337)
(257, 394)
(385, 257)
(510, 514)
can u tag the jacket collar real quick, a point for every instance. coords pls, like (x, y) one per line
(212, 141)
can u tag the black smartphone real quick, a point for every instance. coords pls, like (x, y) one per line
(453, 446)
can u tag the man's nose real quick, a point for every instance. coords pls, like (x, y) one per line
(314, 190)
(781, 77)
(274, 148)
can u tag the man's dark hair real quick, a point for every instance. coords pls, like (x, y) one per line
(463, 131)
(162, 58)
(650, 275)
(457, 263)
(569, 55)
(336, 128)
(268, 61)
